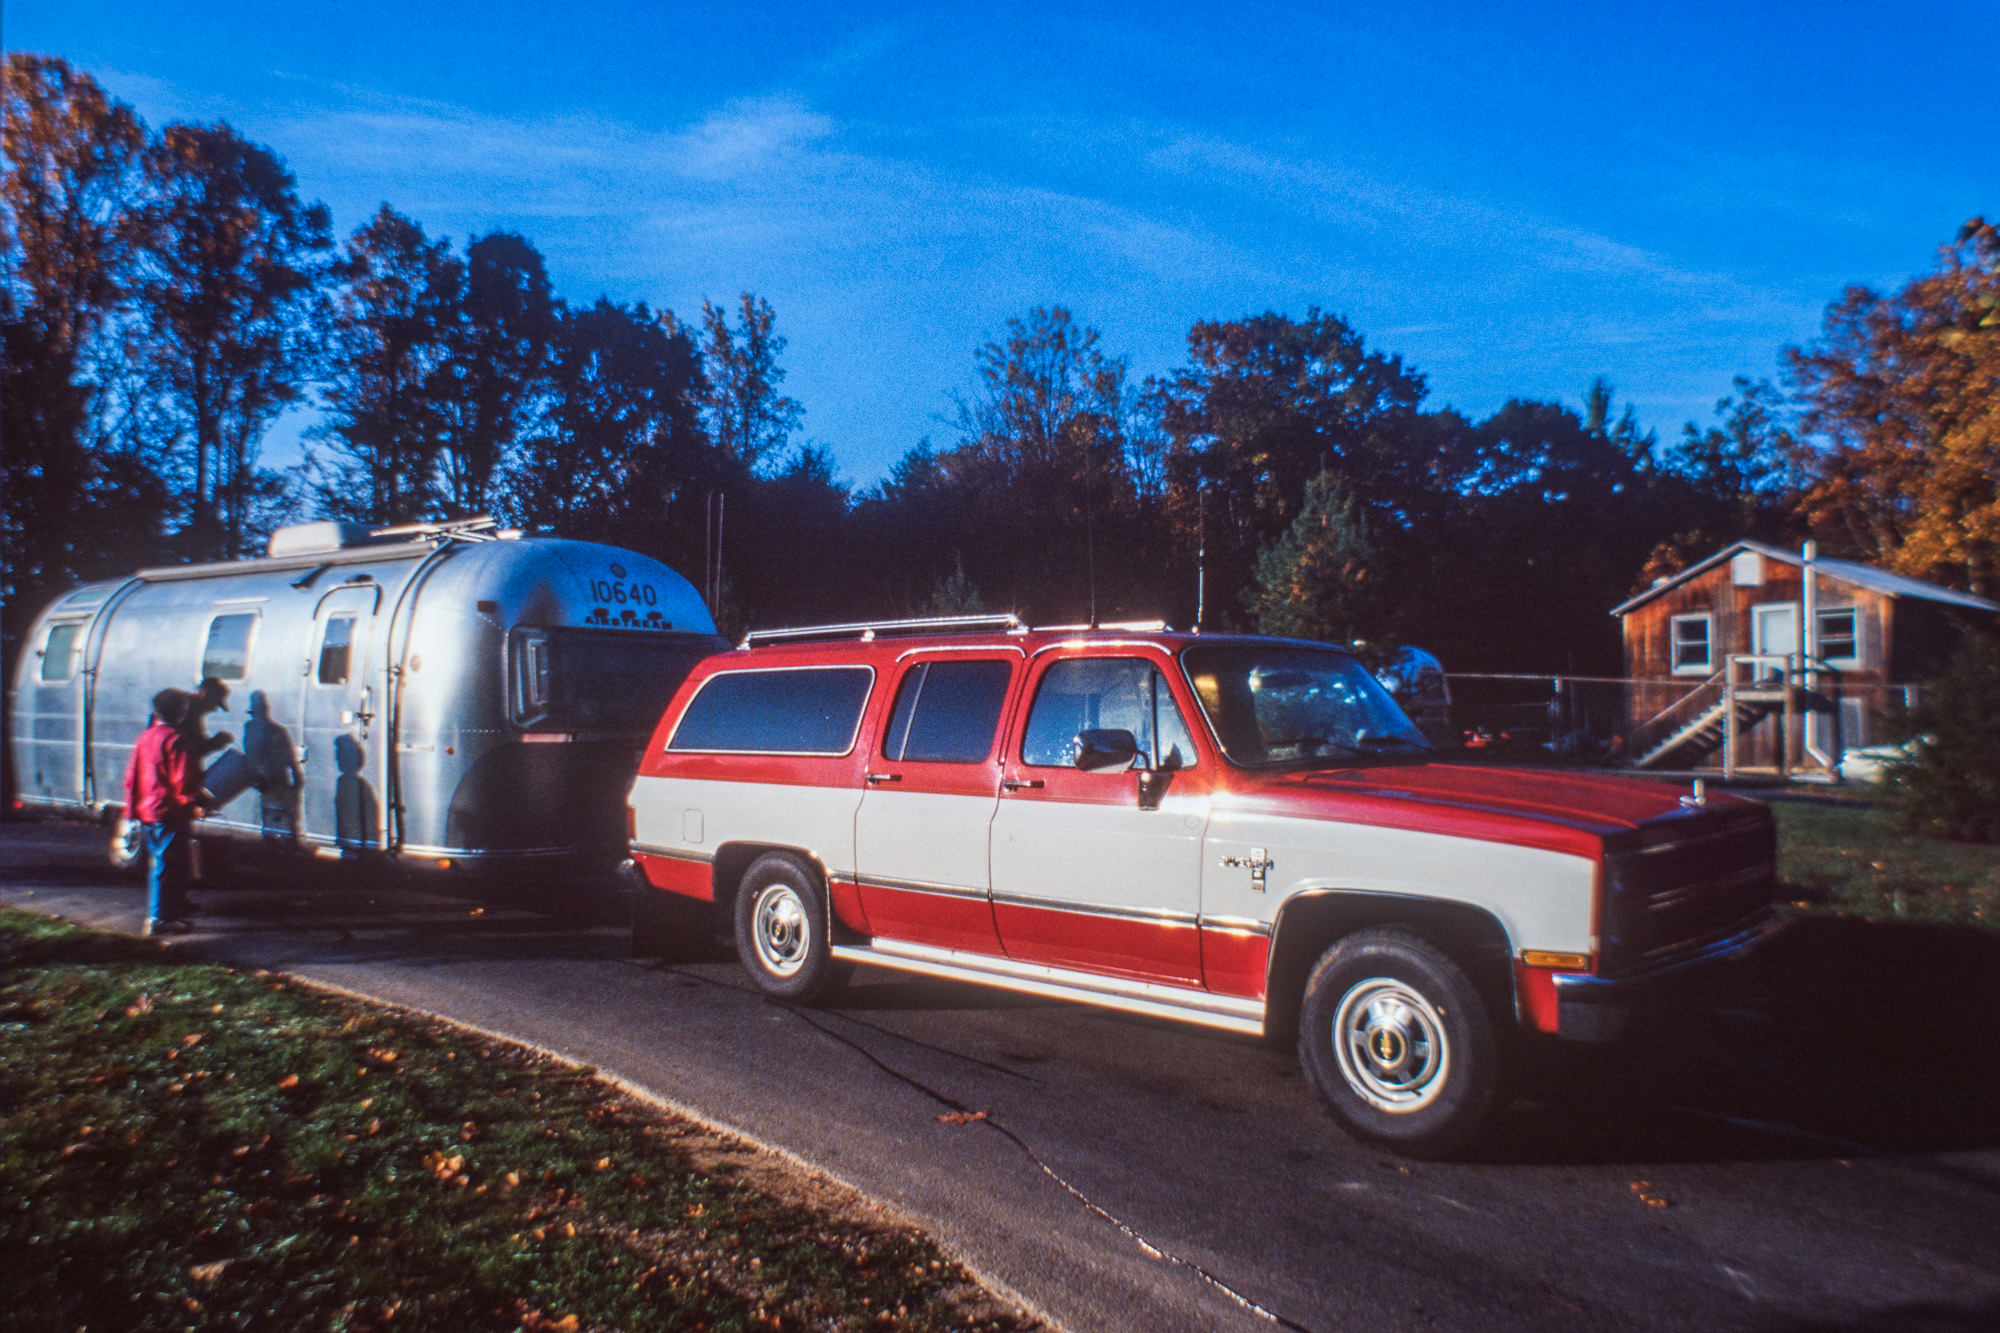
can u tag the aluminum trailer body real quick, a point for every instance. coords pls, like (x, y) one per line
(446, 697)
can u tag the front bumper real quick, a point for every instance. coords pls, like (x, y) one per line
(1599, 1009)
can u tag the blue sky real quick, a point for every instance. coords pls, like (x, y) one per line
(1515, 197)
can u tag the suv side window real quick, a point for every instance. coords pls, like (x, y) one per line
(1121, 692)
(947, 712)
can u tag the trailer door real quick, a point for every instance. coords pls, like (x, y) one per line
(340, 802)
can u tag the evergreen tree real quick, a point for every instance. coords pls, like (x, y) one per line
(1322, 579)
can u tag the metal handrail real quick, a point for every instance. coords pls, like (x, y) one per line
(1712, 680)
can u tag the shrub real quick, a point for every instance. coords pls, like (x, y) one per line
(1950, 786)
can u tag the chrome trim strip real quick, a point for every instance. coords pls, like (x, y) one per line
(1096, 909)
(461, 853)
(674, 853)
(1235, 925)
(1085, 642)
(964, 648)
(1229, 1012)
(918, 886)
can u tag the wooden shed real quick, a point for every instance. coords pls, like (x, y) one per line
(1805, 653)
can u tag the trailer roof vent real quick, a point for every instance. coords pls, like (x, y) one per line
(312, 538)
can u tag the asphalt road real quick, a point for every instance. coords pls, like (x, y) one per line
(1826, 1134)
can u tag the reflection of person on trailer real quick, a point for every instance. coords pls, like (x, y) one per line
(269, 748)
(354, 800)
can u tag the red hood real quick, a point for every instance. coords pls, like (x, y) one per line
(1567, 812)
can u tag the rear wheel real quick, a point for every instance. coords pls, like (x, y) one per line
(781, 929)
(1397, 1043)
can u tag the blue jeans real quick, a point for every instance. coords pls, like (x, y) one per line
(169, 869)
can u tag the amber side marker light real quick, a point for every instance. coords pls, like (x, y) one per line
(1568, 962)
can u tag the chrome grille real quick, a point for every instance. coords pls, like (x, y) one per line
(1685, 885)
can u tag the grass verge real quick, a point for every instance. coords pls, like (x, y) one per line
(183, 1146)
(1853, 860)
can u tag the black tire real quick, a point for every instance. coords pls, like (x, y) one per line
(782, 926)
(1397, 1043)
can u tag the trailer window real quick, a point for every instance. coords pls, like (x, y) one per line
(227, 655)
(59, 654)
(813, 710)
(336, 650)
(568, 679)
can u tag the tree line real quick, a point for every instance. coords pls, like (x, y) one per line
(169, 294)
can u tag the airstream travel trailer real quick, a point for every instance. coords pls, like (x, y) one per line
(445, 695)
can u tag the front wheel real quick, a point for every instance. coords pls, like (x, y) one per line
(1396, 1042)
(781, 929)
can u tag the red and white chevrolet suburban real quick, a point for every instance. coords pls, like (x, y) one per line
(1233, 831)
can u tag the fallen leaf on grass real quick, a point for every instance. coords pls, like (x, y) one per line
(210, 1272)
(444, 1168)
(961, 1117)
(191, 1039)
(139, 1006)
(477, 911)
(1647, 1196)
(384, 1055)
(289, 1081)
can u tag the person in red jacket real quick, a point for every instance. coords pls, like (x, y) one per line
(163, 793)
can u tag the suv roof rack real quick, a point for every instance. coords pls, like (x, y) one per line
(1007, 623)
(1128, 626)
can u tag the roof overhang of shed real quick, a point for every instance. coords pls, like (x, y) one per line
(1843, 571)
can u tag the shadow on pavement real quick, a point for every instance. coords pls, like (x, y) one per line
(1845, 1039)
(1929, 1317)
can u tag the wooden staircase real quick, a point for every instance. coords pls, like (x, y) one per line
(1708, 731)
(1719, 712)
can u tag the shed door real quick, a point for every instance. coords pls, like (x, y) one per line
(1774, 628)
(339, 784)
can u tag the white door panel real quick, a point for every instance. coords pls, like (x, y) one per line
(923, 838)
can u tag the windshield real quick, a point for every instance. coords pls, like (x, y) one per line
(1280, 703)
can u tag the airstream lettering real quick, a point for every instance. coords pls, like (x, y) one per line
(437, 693)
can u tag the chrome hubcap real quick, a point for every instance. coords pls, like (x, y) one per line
(1391, 1046)
(782, 929)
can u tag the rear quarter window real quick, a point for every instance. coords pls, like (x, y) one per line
(812, 710)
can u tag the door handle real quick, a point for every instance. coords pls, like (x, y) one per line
(874, 778)
(1016, 784)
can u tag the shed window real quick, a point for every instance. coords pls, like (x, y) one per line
(1693, 653)
(227, 656)
(805, 711)
(947, 712)
(59, 654)
(1840, 635)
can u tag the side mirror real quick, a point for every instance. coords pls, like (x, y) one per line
(1102, 749)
